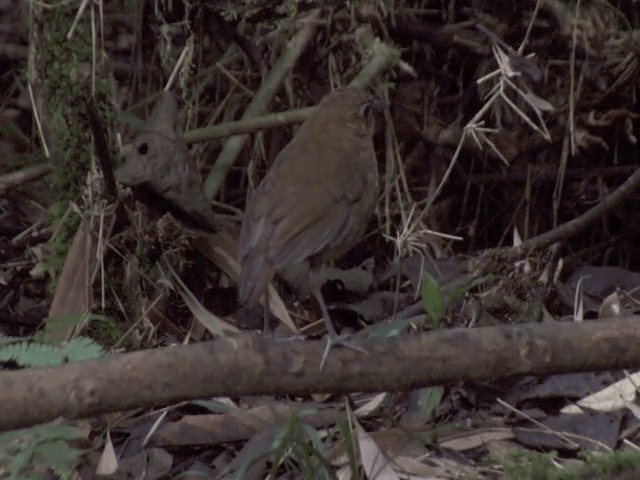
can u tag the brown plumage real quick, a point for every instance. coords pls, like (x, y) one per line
(315, 201)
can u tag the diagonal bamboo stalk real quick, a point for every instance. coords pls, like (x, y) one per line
(261, 100)
(383, 55)
(253, 118)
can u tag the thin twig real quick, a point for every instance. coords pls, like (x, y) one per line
(248, 125)
(26, 175)
(36, 117)
(580, 223)
(572, 80)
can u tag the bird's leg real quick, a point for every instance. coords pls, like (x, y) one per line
(333, 338)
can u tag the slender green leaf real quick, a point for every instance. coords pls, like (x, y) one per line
(430, 398)
(432, 299)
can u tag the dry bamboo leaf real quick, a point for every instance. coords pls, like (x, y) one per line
(108, 463)
(162, 173)
(611, 306)
(609, 399)
(376, 465)
(222, 249)
(73, 297)
(476, 439)
(214, 324)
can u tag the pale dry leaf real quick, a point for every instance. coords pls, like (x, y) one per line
(344, 473)
(214, 324)
(41, 267)
(414, 469)
(524, 265)
(586, 140)
(162, 172)
(634, 408)
(628, 130)
(221, 249)
(108, 463)
(370, 406)
(375, 464)
(517, 239)
(476, 439)
(241, 424)
(609, 399)
(611, 306)
(73, 295)
(578, 302)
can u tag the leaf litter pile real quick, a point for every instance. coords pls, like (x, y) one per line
(132, 135)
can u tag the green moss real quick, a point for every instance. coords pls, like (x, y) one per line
(105, 330)
(621, 465)
(63, 67)
(527, 465)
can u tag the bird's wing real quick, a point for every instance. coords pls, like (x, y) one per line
(312, 220)
(301, 206)
(286, 228)
(292, 222)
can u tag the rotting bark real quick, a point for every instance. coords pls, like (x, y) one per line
(255, 365)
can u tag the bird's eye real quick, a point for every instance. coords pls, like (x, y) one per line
(143, 148)
(365, 110)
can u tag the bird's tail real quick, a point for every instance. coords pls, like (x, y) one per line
(255, 274)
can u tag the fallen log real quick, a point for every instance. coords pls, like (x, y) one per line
(256, 365)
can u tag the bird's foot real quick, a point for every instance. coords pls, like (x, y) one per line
(339, 340)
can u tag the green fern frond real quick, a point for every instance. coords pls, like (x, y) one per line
(55, 430)
(31, 354)
(82, 348)
(58, 456)
(32, 452)
(26, 354)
